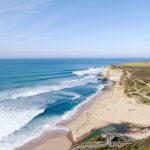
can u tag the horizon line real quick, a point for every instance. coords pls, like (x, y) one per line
(75, 58)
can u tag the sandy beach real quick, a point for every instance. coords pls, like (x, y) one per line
(58, 143)
(112, 106)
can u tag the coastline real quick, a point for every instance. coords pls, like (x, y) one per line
(107, 107)
(52, 135)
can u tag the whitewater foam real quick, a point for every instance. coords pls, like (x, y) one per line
(90, 71)
(70, 114)
(33, 91)
(15, 93)
(72, 94)
(25, 135)
(11, 121)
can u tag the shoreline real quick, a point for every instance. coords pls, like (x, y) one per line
(52, 135)
(47, 136)
(107, 107)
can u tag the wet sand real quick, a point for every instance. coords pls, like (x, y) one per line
(58, 143)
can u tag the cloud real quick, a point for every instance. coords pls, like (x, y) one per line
(28, 20)
(22, 6)
(11, 9)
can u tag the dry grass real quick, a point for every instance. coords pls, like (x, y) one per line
(136, 80)
(137, 64)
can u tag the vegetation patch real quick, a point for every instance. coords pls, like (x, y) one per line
(136, 80)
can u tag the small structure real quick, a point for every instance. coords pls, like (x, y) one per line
(112, 137)
(110, 134)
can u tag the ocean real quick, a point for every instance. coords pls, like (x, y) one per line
(36, 94)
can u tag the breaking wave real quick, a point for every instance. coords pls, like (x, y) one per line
(90, 71)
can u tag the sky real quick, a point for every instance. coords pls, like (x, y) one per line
(74, 28)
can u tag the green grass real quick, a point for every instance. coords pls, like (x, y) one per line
(97, 139)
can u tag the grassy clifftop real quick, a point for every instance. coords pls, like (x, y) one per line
(136, 145)
(137, 64)
(136, 80)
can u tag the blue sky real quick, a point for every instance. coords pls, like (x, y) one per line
(74, 28)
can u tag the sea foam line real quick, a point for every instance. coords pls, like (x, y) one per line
(26, 92)
(70, 114)
(89, 71)
(33, 91)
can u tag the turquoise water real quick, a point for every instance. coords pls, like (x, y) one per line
(36, 94)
